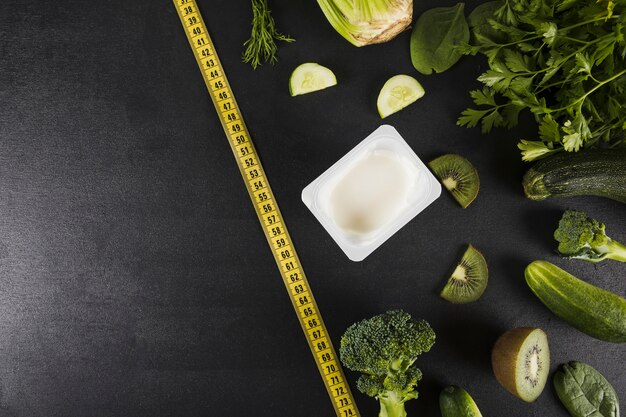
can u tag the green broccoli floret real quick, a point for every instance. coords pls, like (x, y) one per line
(581, 237)
(384, 348)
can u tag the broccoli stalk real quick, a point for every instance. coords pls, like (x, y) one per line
(392, 405)
(384, 349)
(581, 237)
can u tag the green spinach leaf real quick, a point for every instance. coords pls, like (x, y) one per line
(585, 392)
(478, 21)
(435, 36)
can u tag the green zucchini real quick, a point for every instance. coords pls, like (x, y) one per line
(592, 310)
(456, 402)
(599, 172)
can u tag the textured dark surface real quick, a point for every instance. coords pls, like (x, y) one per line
(134, 278)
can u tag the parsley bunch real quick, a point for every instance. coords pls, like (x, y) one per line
(564, 60)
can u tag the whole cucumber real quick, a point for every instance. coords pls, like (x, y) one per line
(456, 402)
(592, 310)
(599, 172)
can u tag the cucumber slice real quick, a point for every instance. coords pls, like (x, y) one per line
(397, 93)
(310, 77)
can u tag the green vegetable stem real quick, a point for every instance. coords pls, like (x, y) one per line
(563, 60)
(366, 22)
(261, 47)
(384, 349)
(581, 237)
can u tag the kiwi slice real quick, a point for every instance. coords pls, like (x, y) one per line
(469, 279)
(459, 177)
(521, 362)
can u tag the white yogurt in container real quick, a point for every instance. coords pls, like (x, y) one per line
(370, 193)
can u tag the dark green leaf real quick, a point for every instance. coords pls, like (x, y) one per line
(492, 119)
(549, 32)
(483, 97)
(619, 33)
(527, 47)
(549, 130)
(584, 63)
(603, 50)
(613, 108)
(521, 85)
(567, 96)
(536, 105)
(521, 100)
(483, 41)
(435, 35)
(585, 392)
(491, 54)
(478, 21)
(566, 4)
(465, 48)
(510, 113)
(498, 65)
(591, 11)
(581, 126)
(491, 77)
(534, 149)
(548, 75)
(554, 58)
(502, 28)
(515, 61)
(499, 79)
(471, 117)
(505, 14)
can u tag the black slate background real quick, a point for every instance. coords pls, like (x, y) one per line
(134, 278)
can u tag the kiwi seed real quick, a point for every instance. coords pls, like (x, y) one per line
(521, 362)
(469, 279)
(459, 177)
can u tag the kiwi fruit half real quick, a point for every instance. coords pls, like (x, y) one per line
(469, 279)
(521, 362)
(459, 177)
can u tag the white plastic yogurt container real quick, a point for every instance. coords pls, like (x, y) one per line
(371, 193)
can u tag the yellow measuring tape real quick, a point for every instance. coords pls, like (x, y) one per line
(267, 209)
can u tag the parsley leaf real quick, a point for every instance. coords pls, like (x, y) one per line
(562, 60)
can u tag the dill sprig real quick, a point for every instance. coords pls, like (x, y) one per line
(261, 47)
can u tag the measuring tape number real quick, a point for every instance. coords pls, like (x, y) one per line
(267, 209)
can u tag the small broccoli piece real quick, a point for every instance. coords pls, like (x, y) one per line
(581, 237)
(384, 348)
